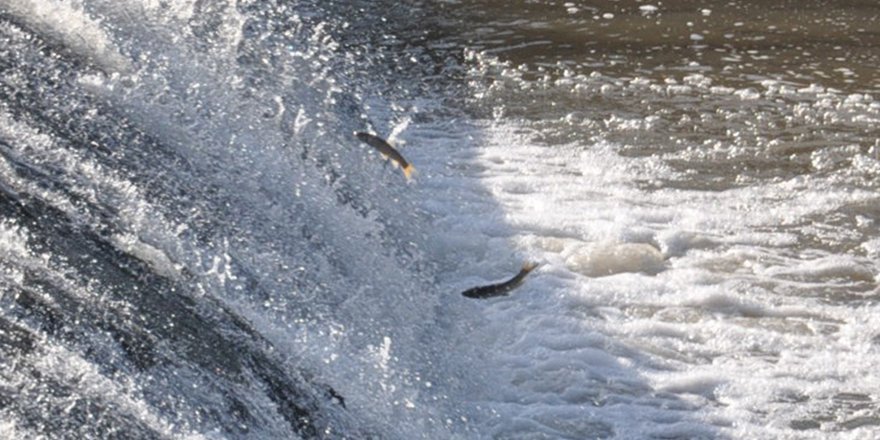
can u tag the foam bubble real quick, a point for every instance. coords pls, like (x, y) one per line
(612, 258)
(702, 384)
(648, 9)
(827, 269)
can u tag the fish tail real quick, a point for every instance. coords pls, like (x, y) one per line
(529, 266)
(408, 171)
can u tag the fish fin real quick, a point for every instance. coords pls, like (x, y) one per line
(408, 171)
(529, 266)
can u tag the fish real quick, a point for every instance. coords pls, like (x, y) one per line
(388, 151)
(500, 289)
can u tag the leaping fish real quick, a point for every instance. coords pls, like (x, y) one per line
(388, 151)
(500, 289)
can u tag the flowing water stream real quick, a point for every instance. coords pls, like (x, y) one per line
(194, 245)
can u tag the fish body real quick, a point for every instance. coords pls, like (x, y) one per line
(493, 290)
(388, 151)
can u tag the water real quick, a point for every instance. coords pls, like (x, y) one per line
(195, 246)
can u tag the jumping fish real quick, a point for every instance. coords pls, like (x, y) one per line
(500, 289)
(388, 151)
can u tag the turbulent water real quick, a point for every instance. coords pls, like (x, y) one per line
(194, 245)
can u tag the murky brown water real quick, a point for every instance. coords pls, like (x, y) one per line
(731, 92)
(830, 42)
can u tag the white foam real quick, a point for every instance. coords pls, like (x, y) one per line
(68, 367)
(690, 318)
(703, 384)
(13, 241)
(9, 429)
(153, 256)
(97, 184)
(872, 247)
(67, 23)
(611, 258)
(827, 269)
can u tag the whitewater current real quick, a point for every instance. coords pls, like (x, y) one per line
(193, 243)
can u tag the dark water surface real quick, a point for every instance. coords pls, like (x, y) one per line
(801, 42)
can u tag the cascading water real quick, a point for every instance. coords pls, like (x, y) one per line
(193, 244)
